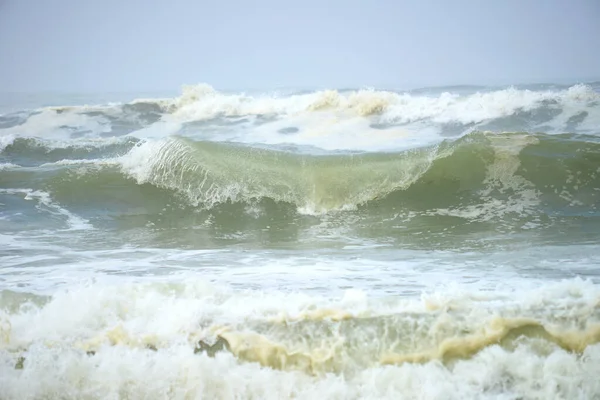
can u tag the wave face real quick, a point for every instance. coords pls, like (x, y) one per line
(481, 182)
(440, 243)
(449, 163)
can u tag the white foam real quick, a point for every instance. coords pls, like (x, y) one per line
(178, 305)
(6, 140)
(486, 106)
(351, 120)
(5, 166)
(117, 320)
(49, 123)
(93, 161)
(133, 373)
(343, 120)
(334, 131)
(202, 102)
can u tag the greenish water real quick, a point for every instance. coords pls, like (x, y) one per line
(351, 244)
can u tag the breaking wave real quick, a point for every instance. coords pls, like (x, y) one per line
(205, 174)
(358, 244)
(174, 334)
(552, 110)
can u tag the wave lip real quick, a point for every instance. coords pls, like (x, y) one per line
(6, 140)
(208, 174)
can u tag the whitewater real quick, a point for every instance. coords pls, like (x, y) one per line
(351, 243)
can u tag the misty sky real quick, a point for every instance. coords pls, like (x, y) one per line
(127, 45)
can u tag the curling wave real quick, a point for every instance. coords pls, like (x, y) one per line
(477, 168)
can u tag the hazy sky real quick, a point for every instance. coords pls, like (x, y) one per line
(125, 45)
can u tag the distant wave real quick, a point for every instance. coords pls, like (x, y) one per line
(574, 109)
(203, 102)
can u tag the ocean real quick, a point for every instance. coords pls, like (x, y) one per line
(436, 243)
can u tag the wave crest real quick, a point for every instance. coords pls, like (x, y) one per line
(209, 173)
